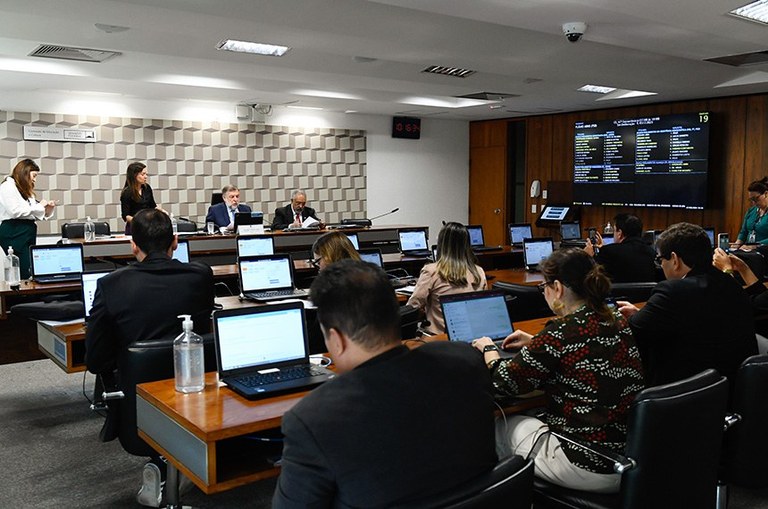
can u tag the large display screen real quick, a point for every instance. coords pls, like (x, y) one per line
(658, 161)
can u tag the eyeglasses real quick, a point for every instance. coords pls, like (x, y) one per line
(659, 258)
(544, 285)
(315, 262)
(754, 199)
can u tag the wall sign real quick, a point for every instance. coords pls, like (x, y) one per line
(49, 133)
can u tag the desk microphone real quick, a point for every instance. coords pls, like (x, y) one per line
(385, 214)
(367, 222)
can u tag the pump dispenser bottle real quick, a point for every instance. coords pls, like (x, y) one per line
(188, 362)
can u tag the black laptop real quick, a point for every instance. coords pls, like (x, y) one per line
(477, 240)
(535, 250)
(518, 232)
(570, 235)
(268, 277)
(88, 284)
(372, 255)
(263, 351)
(255, 245)
(413, 242)
(56, 263)
(472, 315)
(248, 218)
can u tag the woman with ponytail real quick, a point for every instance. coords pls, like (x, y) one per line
(586, 362)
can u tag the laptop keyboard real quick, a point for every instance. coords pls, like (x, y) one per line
(275, 293)
(283, 375)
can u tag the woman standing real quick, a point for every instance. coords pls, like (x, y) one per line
(754, 229)
(18, 211)
(136, 195)
(455, 271)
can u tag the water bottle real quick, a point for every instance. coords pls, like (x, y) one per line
(608, 230)
(188, 365)
(89, 230)
(12, 270)
(751, 238)
(174, 225)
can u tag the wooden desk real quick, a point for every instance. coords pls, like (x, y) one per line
(518, 276)
(29, 288)
(63, 344)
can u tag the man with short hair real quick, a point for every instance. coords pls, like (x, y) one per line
(397, 427)
(698, 318)
(142, 302)
(223, 214)
(293, 214)
(628, 259)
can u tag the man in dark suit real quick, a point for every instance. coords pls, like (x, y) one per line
(142, 302)
(628, 259)
(293, 214)
(698, 318)
(223, 214)
(397, 427)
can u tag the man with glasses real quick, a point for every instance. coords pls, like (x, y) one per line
(628, 259)
(698, 318)
(295, 213)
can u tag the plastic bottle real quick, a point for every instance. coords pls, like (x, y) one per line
(12, 271)
(608, 230)
(174, 225)
(188, 365)
(89, 230)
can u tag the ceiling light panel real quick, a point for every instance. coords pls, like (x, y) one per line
(256, 48)
(755, 11)
(596, 89)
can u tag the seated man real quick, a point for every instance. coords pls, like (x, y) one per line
(223, 214)
(142, 302)
(628, 259)
(698, 318)
(398, 426)
(293, 214)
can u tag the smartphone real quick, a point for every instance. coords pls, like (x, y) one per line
(723, 241)
(592, 234)
(611, 302)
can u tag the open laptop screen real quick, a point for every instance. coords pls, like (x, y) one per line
(518, 232)
(264, 273)
(711, 234)
(353, 239)
(255, 245)
(181, 252)
(475, 235)
(570, 231)
(607, 239)
(55, 260)
(371, 256)
(473, 315)
(537, 249)
(89, 280)
(412, 240)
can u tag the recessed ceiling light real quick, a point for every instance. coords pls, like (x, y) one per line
(620, 93)
(257, 48)
(754, 11)
(597, 89)
(303, 107)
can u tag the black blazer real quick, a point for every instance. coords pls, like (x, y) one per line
(691, 324)
(284, 216)
(630, 261)
(141, 302)
(394, 432)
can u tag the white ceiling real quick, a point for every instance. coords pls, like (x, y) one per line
(516, 47)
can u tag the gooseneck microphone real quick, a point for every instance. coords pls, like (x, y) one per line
(385, 214)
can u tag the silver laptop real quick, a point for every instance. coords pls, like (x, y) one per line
(262, 351)
(535, 250)
(88, 284)
(570, 231)
(56, 263)
(477, 239)
(472, 315)
(181, 252)
(268, 277)
(372, 256)
(413, 242)
(255, 245)
(518, 232)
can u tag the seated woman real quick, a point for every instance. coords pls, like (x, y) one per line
(455, 271)
(586, 362)
(332, 247)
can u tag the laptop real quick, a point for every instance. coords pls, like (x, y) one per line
(472, 315)
(570, 235)
(88, 284)
(181, 252)
(353, 239)
(248, 218)
(711, 234)
(56, 263)
(608, 239)
(262, 351)
(372, 256)
(518, 232)
(268, 277)
(535, 250)
(255, 245)
(476, 239)
(414, 243)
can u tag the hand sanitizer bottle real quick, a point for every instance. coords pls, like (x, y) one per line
(89, 230)
(188, 362)
(12, 271)
(608, 230)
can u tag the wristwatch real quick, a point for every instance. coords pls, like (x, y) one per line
(490, 348)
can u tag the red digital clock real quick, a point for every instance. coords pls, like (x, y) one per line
(406, 127)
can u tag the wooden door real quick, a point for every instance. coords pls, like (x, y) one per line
(488, 180)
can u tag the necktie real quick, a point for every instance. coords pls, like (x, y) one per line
(298, 216)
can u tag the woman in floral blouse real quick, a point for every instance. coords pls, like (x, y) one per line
(586, 362)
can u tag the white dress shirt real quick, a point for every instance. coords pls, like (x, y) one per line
(13, 206)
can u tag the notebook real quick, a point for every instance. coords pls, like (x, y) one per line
(262, 351)
(476, 239)
(518, 232)
(414, 243)
(570, 231)
(53, 264)
(472, 315)
(181, 252)
(255, 245)
(353, 239)
(371, 256)
(268, 277)
(535, 250)
(88, 283)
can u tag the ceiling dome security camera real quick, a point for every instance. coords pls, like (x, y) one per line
(574, 30)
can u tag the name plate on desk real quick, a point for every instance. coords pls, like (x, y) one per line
(250, 229)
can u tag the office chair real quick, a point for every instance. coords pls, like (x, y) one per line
(410, 318)
(672, 451)
(745, 447)
(77, 230)
(632, 292)
(508, 485)
(216, 198)
(528, 303)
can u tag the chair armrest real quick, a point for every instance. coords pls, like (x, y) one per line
(731, 420)
(620, 462)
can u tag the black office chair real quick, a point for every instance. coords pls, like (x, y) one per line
(410, 317)
(508, 485)
(746, 448)
(672, 452)
(632, 292)
(528, 303)
(77, 230)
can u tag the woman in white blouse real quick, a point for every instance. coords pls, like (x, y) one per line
(19, 209)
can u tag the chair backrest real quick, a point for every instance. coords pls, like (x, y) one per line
(633, 292)
(674, 434)
(147, 361)
(529, 302)
(508, 485)
(77, 230)
(745, 445)
(409, 321)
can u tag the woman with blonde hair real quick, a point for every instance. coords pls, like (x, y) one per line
(455, 271)
(19, 209)
(332, 247)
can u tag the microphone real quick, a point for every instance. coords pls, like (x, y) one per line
(367, 222)
(385, 214)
